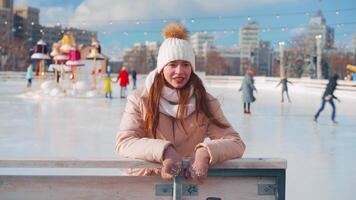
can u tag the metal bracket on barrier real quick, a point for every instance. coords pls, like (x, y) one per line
(167, 190)
(164, 190)
(190, 190)
(266, 189)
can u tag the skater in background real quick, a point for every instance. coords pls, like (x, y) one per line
(247, 88)
(134, 78)
(107, 86)
(29, 75)
(123, 77)
(329, 96)
(284, 81)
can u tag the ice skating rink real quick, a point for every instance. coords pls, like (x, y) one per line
(321, 156)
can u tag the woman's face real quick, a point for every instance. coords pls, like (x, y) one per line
(177, 73)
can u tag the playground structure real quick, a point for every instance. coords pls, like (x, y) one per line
(352, 69)
(73, 75)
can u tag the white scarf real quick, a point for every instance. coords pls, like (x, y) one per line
(168, 103)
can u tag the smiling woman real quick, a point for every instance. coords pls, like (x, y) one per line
(168, 120)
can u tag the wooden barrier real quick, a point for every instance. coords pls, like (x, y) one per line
(248, 178)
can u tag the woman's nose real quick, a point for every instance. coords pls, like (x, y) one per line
(179, 68)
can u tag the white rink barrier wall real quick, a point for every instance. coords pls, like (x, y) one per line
(247, 178)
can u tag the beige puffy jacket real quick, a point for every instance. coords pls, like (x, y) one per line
(133, 142)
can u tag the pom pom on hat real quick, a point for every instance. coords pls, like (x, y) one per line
(175, 30)
(175, 47)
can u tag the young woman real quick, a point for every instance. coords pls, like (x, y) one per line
(168, 120)
(247, 88)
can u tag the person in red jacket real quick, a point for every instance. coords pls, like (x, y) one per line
(123, 77)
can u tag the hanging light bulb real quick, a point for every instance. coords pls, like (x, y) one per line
(337, 12)
(277, 17)
(248, 18)
(137, 23)
(164, 21)
(192, 20)
(110, 22)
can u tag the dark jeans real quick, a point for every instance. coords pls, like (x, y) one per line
(331, 101)
(285, 91)
(29, 82)
(247, 105)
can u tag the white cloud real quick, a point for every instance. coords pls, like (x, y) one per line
(223, 6)
(53, 15)
(113, 50)
(21, 3)
(105, 10)
(298, 31)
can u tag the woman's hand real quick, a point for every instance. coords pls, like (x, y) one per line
(172, 163)
(200, 165)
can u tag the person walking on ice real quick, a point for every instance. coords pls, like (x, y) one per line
(329, 96)
(29, 75)
(284, 81)
(247, 88)
(123, 77)
(167, 120)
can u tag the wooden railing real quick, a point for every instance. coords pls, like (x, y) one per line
(248, 178)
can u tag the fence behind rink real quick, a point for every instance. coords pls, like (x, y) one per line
(247, 178)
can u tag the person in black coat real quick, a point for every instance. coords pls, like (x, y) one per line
(134, 78)
(329, 96)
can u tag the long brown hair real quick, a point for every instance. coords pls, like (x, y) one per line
(202, 105)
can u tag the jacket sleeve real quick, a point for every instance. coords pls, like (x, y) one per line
(132, 141)
(225, 143)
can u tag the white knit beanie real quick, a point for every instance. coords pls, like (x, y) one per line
(175, 49)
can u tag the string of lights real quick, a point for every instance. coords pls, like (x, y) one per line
(264, 29)
(196, 19)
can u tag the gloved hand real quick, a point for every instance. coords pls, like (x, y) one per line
(172, 163)
(200, 164)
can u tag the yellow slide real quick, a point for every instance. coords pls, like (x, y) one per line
(351, 68)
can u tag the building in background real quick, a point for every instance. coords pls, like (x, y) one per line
(26, 25)
(317, 26)
(265, 57)
(141, 57)
(249, 43)
(6, 20)
(202, 43)
(51, 34)
(231, 57)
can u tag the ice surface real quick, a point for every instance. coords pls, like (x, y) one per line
(321, 160)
